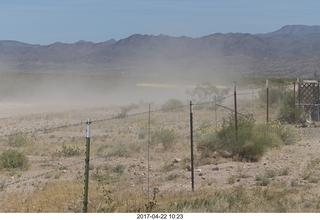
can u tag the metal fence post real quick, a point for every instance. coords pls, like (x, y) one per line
(235, 110)
(215, 110)
(253, 104)
(86, 181)
(149, 134)
(191, 142)
(267, 95)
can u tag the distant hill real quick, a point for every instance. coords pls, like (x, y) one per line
(294, 31)
(293, 50)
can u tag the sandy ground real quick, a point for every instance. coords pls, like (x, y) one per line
(292, 161)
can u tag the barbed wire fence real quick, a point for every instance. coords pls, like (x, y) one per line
(146, 134)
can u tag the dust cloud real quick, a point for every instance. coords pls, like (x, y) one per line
(92, 91)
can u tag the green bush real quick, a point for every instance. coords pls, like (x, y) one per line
(167, 137)
(68, 151)
(13, 159)
(18, 140)
(119, 169)
(126, 109)
(172, 105)
(250, 142)
(243, 143)
(172, 176)
(288, 112)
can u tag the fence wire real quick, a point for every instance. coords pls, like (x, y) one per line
(147, 135)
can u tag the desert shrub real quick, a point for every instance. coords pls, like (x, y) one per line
(313, 180)
(206, 148)
(18, 140)
(275, 95)
(167, 167)
(267, 133)
(288, 134)
(102, 148)
(167, 137)
(206, 130)
(124, 149)
(2, 186)
(126, 109)
(314, 162)
(232, 179)
(172, 105)
(172, 176)
(270, 173)
(288, 112)
(262, 180)
(119, 168)
(246, 144)
(284, 171)
(251, 141)
(68, 151)
(13, 159)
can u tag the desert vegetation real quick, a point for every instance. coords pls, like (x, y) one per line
(140, 155)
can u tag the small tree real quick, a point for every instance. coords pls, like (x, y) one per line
(206, 92)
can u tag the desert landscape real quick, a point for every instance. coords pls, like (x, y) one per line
(125, 142)
(135, 96)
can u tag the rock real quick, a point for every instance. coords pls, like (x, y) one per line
(215, 169)
(64, 171)
(226, 154)
(176, 160)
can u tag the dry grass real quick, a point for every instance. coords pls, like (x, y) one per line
(65, 197)
(119, 153)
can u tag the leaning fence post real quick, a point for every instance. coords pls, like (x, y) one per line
(86, 181)
(191, 142)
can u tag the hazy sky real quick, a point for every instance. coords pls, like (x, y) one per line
(68, 21)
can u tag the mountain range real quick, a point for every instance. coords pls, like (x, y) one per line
(293, 50)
